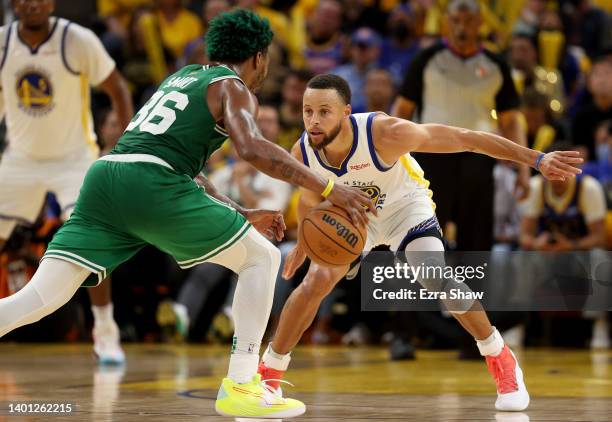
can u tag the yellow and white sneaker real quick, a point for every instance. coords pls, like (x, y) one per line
(255, 399)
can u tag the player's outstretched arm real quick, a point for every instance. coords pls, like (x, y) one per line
(239, 108)
(394, 137)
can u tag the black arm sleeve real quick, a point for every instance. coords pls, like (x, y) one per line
(507, 98)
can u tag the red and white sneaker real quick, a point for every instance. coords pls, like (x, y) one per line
(512, 394)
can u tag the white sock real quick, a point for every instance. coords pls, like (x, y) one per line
(492, 345)
(275, 360)
(256, 261)
(243, 361)
(103, 314)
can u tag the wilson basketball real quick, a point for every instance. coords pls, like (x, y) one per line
(329, 237)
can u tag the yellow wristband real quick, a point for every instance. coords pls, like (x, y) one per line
(328, 189)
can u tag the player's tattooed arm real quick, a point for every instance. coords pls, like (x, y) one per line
(395, 137)
(212, 191)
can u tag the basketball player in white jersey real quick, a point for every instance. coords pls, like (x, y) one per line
(47, 67)
(371, 151)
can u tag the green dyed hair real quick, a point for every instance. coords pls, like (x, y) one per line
(235, 36)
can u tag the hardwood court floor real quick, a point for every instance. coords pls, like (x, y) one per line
(179, 383)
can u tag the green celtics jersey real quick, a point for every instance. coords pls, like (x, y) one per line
(175, 124)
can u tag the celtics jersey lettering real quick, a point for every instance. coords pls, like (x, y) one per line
(175, 124)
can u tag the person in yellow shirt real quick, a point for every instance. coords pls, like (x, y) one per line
(117, 14)
(178, 26)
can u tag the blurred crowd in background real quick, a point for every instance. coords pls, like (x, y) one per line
(559, 56)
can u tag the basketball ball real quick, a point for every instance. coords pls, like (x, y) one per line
(329, 237)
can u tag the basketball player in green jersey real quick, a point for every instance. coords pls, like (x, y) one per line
(144, 192)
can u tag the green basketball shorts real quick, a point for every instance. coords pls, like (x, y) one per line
(128, 201)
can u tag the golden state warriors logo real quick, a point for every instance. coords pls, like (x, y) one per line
(372, 191)
(35, 92)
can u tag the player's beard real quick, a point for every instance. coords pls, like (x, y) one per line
(327, 138)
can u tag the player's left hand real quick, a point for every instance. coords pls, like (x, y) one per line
(267, 222)
(559, 165)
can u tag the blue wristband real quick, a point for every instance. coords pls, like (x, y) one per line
(539, 160)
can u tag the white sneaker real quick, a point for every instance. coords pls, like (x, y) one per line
(357, 336)
(515, 336)
(512, 393)
(106, 344)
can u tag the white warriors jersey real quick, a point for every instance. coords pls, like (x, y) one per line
(389, 186)
(45, 90)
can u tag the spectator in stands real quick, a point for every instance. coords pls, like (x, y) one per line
(601, 166)
(178, 26)
(527, 73)
(379, 90)
(195, 51)
(565, 216)
(213, 8)
(591, 114)
(290, 110)
(542, 129)
(505, 210)
(401, 44)
(325, 44)
(529, 18)
(136, 64)
(365, 49)
(117, 15)
(359, 13)
(569, 59)
(587, 26)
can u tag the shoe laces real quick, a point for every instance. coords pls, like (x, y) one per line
(503, 372)
(271, 390)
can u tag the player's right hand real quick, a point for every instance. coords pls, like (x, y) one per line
(354, 201)
(293, 261)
